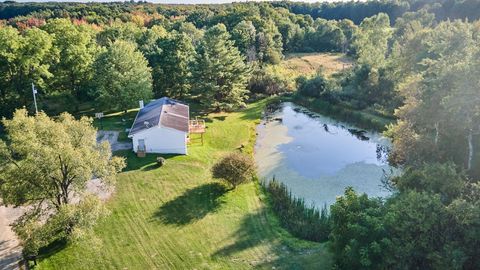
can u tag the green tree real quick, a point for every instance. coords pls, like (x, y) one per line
(122, 76)
(244, 36)
(74, 48)
(269, 43)
(171, 66)
(359, 239)
(219, 75)
(23, 61)
(119, 31)
(235, 168)
(437, 178)
(46, 162)
(421, 232)
(371, 41)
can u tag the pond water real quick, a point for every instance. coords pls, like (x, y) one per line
(317, 157)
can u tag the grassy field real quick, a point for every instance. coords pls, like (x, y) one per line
(309, 64)
(177, 217)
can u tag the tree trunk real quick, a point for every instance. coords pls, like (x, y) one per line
(470, 150)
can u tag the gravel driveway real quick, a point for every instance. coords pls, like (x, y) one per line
(112, 138)
(10, 249)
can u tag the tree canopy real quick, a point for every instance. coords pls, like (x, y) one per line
(47, 162)
(122, 76)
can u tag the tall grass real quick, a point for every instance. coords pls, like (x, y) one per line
(303, 221)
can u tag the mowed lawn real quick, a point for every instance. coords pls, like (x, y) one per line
(177, 217)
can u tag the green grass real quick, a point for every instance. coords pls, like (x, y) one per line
(177, 217)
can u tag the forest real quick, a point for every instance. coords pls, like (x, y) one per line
(416, 64)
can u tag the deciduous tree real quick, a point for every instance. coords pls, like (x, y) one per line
(122, 76)
(45, 163)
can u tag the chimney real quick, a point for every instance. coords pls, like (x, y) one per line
(141, 104)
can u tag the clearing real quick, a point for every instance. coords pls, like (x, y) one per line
(310, 63)
(177, 217)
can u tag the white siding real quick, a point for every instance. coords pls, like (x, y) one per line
(162, 140)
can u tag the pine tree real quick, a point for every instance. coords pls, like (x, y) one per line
(220, 75)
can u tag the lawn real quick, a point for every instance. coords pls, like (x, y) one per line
(177, 217)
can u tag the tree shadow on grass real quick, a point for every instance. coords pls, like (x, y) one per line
(192, 205)
(147, 163)
(284, 252)
(254, 230)
(51, 249)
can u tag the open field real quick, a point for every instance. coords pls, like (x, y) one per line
(177, 217)
(308, 64)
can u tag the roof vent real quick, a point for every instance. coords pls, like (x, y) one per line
(146, 123)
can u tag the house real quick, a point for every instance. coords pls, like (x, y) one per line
(162, 126)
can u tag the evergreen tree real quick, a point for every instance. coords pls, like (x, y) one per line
(219, 75)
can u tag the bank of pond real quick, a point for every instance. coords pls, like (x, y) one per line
(313, 159)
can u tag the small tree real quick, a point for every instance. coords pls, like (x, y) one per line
(235, 168)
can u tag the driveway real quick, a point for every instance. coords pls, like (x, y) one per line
(10, 249)
(112, 138)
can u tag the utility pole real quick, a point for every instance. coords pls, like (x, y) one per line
(34, 91)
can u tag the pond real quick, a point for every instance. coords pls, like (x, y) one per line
(317, 157)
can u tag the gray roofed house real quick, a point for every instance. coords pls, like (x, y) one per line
(161, 127)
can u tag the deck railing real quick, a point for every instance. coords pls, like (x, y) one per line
(196, 126)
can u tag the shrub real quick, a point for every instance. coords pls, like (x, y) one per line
(263, 82)
(160, 161)
(235, 168)
(314, 87)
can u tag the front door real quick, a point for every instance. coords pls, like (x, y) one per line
(141, 145)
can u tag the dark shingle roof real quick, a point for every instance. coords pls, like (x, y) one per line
(165, 112)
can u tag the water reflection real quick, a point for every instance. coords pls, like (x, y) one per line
(318, 157)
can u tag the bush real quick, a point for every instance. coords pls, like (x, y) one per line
(235, 168)
(160, 161)
(314, 87)
(263, 82)
(305, 222)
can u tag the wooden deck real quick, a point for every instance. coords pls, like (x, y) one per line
(196, 126)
